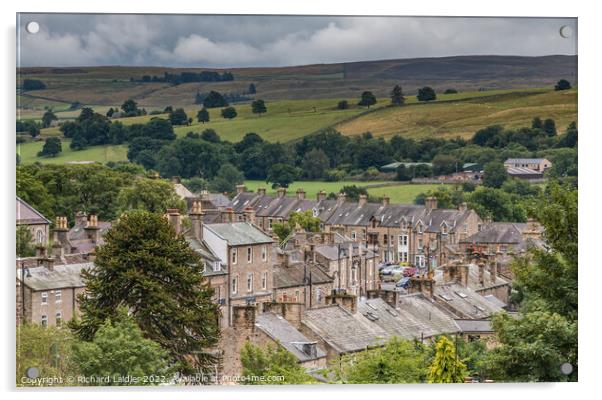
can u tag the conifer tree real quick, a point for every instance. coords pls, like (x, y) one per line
(148, 268)
(397, 96)
(446, 367)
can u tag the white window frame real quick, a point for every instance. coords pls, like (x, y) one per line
(234, 288)
(58, 296)
(44, 298)
(40, 236)
(58, 318)
(44, 320)
(270, 223)
(264, 252)
(234, 255)
(264, 280)
(249, 255)
(353, 235)
(250, 282)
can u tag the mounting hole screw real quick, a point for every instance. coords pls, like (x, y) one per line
(566, 31)
(32, 27)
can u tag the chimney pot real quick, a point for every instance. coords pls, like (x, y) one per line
(321, 195)
(430, 203)
(386, 200)
(261, 191)
(240, 189)
(300, 194)
(281, 192)
(363, 200)
(341, 198)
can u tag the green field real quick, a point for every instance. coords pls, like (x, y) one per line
(511, 109)
(103, 154)
(451, 115)
(398, 193)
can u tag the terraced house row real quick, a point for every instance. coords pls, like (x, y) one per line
(399, 233)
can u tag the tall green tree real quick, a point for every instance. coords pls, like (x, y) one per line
(315, 163)
(282, 175)
(119, 349)
(259, 107)
(494, 174)
(129, 106)
(214, 100)
(446, 366)
(47, 118)
(149, 195)
(275, 365)
(397, 96)
(178, 117)
(24, 240)
(226, 179)
(367, 99)
(549, 127)
(562, 84)
(203, 115)
(49, 349)
(533, 346)
(148, 268)
(426, 93)
(52, 147)
(229, 113)
(251, 89)
(399, 361)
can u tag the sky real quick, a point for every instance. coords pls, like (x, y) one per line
(258, 41)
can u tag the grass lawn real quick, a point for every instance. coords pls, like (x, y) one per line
(29, 151)
(403, 194)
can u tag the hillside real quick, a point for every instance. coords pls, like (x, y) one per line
(109, 86)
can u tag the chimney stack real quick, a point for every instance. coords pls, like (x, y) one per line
(92, 229)
(175, 219)
(300, 194)
(240, 189)
(363, 200)
(57, 252)
(481, 267)
(196, 217)
(243, 318)
(249, 215)
(175, 179)
(281, 192)
(60, 230)
(81, 218)
(430, 203)
(341, 198)
(229, 214)
(321, 195)
(347, 301)
(463, 207)
(261, 191)
(386, 200)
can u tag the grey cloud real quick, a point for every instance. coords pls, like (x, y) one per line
(239, 41)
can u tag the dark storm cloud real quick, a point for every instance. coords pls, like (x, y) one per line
(242, 41)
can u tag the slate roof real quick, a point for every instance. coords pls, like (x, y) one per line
(182, 191)
(474, 326)
(280, 330)
(27, 215)
(452, 218)
(353, 214)
(239, 233)
(244, 199)
(522, 171)
(524, 160)
(298, 275)
(217, 199)
(497, 233)
(62, 276)
(465, 301)
(331, 251)
(342, 330)
(378, 312)
(428, 317)
(392, 215)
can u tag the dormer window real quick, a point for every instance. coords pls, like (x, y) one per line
(444, 229)
(419, 228)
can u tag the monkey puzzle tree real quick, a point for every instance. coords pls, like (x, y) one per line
(148, 268)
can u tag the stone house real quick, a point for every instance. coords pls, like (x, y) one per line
(411, 234)
(32, 219)
(47, 290)
(535, 164)
(278, 325)
(245, 253)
